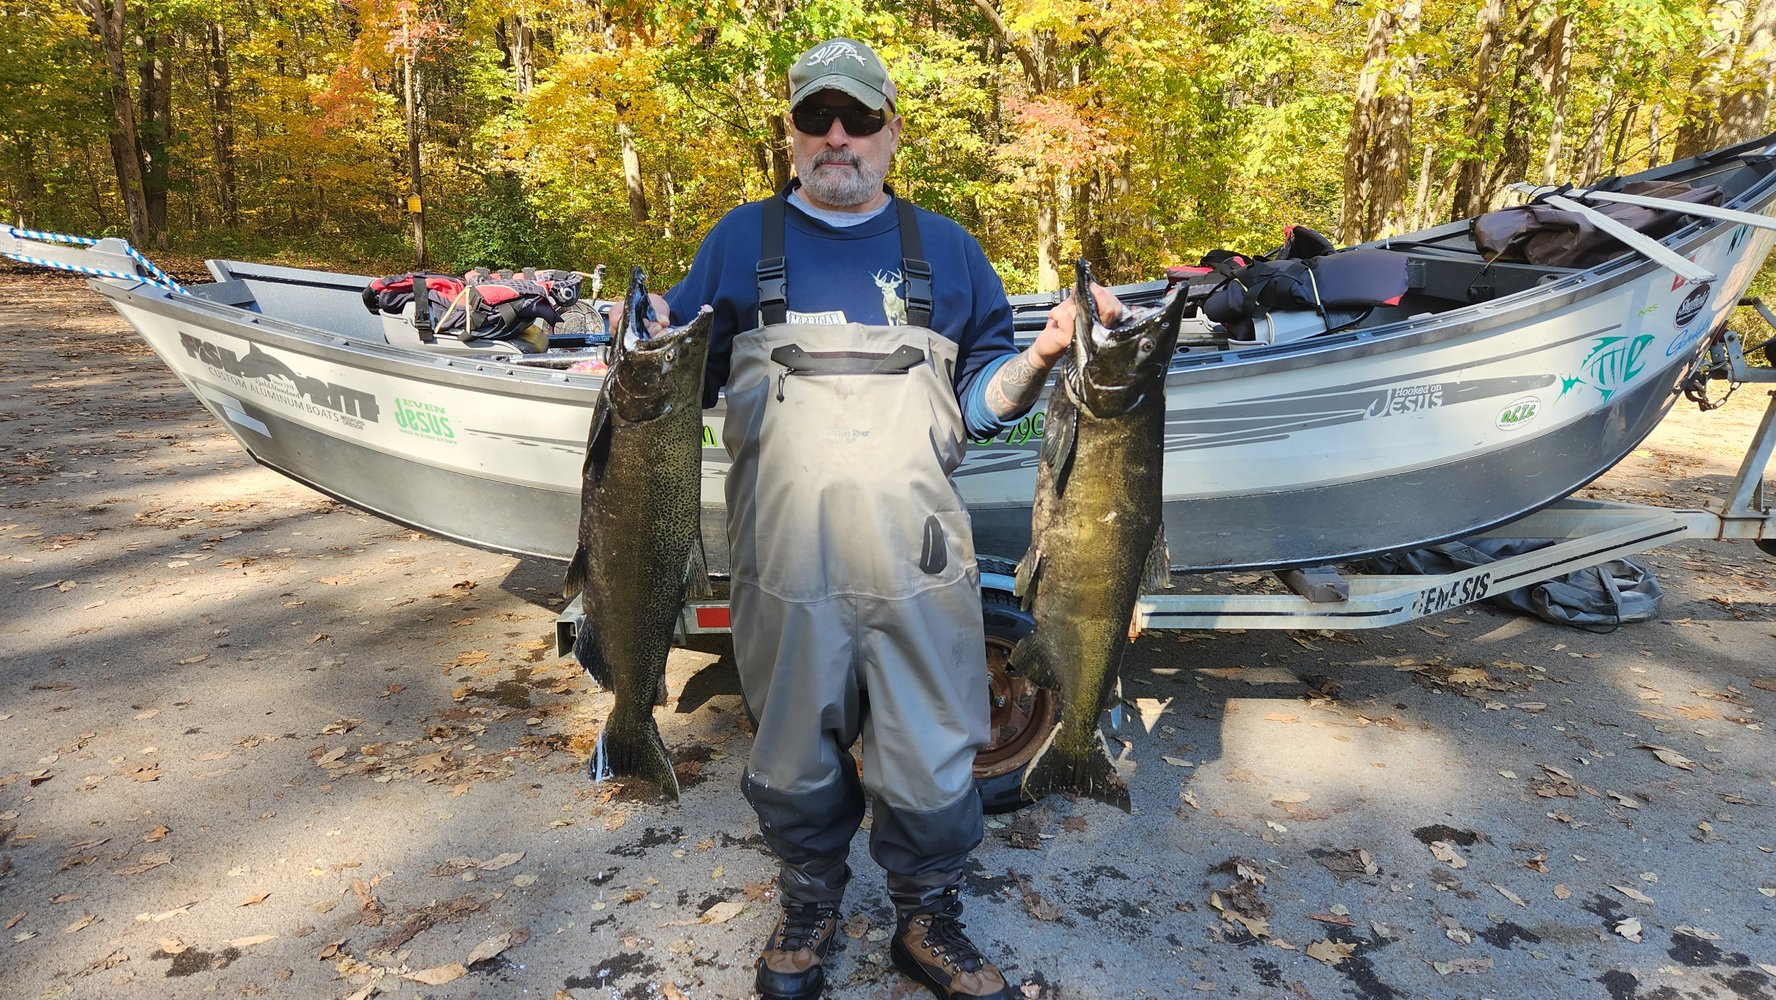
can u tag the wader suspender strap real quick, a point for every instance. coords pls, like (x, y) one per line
(773, 284)
(913, 267)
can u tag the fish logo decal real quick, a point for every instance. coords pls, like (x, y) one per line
(832, 52)
(1612, 364)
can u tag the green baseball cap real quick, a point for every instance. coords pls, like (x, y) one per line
(842, 64)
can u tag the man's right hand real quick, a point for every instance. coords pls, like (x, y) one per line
(656, 325)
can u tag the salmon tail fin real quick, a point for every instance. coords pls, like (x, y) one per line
(586, 654)
(633, 750)
(575, 580)
(1080, 767)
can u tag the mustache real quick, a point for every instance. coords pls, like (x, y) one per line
(838, 156)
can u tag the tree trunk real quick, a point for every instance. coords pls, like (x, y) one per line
(1470, 193)
(107, 22)
(1747, 103)
(222, 125)
(156, 128)
(632, 180)
(1700, 124)
(1421, 199)
(1591, 157)
(1359, 154)
(1556, 81)
(415, 176)
(1037, 59)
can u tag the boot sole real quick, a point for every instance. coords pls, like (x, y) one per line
(809, 993)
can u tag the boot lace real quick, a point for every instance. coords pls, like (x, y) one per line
(947, 942)
(802, 926)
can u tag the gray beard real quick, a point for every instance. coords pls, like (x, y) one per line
(842, 190)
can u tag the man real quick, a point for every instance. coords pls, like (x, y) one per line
(861, 341)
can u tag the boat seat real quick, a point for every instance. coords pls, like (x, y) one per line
(400, 332)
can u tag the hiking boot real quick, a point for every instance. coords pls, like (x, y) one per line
(932, 950)
(790, 967)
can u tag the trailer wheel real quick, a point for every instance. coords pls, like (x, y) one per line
(1022, 712)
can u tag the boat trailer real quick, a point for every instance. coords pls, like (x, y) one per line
(1585, 533)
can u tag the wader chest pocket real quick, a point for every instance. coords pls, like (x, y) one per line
(796, 361)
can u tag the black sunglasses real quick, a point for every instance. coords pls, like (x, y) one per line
(814, 119)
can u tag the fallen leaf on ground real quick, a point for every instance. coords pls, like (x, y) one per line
(248, 942)
(1445, 852)
(174, 945)
(1696, 932)
(1633, 893)
(438, 976)
(1330, 952)
(254, 900)
(1629, 928)
(1669, 756)
(158, 833)
(82, 924)
(489, 948)
(505, 860)
(1627, 801)
(1508, 894)
(1332, 918)
(1561, 891)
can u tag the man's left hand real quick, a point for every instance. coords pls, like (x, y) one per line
(1054, 339)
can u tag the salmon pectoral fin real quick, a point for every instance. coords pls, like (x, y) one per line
(575, 580)
(586, 654)
(1078, 767)
(633, 749)
(1024, 585)
(697, 586)
(1032, 657)
(1157, 573)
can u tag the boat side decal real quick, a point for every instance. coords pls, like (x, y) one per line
(1614, 361)
(1689, 331)
(1463, 590)
(1273, 418)
(1519, 413)
(260, 373)
(426, 420)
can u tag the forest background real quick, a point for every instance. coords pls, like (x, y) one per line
(379, 134)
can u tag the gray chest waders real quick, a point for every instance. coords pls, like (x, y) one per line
(854, 585)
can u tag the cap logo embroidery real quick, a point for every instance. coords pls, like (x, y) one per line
(831, 52)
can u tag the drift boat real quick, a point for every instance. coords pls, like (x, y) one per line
(1488, 390)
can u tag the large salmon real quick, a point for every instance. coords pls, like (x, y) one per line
(1096, 536)
(640, 543)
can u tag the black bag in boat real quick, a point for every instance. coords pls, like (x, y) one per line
(1538, 233)
(1308, 275)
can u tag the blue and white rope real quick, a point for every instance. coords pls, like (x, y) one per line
(159, 277)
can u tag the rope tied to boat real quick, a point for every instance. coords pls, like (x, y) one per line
(155, 275)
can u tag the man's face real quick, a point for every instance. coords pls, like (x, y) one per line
(840, 170)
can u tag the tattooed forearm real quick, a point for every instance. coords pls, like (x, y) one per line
(1016, 385)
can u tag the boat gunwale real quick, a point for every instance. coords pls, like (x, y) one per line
(1468, 321)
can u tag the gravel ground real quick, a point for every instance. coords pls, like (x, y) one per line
(255, 742)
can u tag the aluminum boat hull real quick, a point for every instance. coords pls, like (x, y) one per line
(1432, 421)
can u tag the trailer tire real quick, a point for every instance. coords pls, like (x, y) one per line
(1022, 712)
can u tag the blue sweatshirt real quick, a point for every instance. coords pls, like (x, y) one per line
(847, 275)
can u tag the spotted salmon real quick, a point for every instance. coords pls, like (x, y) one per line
(640, 543)
(1096, 535)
